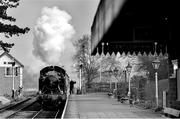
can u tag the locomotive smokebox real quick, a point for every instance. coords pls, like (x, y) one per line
(53, 87)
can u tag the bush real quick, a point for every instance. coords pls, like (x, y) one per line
(122, 88)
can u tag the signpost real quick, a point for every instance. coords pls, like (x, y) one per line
(13, 87)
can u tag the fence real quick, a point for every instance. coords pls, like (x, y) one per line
(101, 87)
(106, 87)
(144, 93)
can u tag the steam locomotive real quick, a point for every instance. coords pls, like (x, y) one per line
(53, 87)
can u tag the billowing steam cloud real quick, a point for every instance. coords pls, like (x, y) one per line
(51, 35)
(51, 44)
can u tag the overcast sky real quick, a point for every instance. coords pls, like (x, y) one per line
(78, 16)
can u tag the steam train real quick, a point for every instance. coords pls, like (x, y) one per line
(53, 87)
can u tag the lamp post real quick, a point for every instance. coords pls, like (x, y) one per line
(115, 71)
(13, 87)
(147, 74)
(128, 69)
(101, 61)
(110, 73)
(156, 64)
(80, 74)
(125, 77)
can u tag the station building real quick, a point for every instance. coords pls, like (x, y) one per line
(135, 26)
(9, 65)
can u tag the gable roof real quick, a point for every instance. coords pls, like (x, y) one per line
(11, 57)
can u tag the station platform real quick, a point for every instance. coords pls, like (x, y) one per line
(100, 105)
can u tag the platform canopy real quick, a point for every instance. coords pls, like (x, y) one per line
(135, 25)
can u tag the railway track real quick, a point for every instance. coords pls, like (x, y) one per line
(32, 109)
(10, 110)
(52, 114)
(13, 105)
(47, 114)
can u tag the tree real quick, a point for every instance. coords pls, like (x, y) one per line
(8, 29)
(83, 55)
(146, 85)
(110, 63)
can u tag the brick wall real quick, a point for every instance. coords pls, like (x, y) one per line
(6, 83)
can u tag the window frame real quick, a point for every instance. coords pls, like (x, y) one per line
(16, 72)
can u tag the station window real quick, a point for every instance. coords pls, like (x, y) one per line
(16, 71)
(8, 71)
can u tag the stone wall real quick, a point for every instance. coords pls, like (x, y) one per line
(172, 94)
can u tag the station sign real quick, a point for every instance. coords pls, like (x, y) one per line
(12, 63)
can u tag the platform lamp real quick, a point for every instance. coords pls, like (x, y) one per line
(156, 64)
(110, 73)
(128, 69)
(115, 71)
(100, 77)
(80, 74)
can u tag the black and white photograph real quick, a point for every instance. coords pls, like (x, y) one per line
(89, 59)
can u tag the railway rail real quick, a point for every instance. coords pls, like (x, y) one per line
(8, 111)
(47, 114)
(13, 105)
(31, 109)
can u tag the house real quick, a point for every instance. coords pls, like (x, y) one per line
(8, 82)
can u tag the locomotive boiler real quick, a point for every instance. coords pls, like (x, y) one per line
(53, 87)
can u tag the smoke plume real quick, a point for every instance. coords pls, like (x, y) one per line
(51, 44)
(52, 34)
